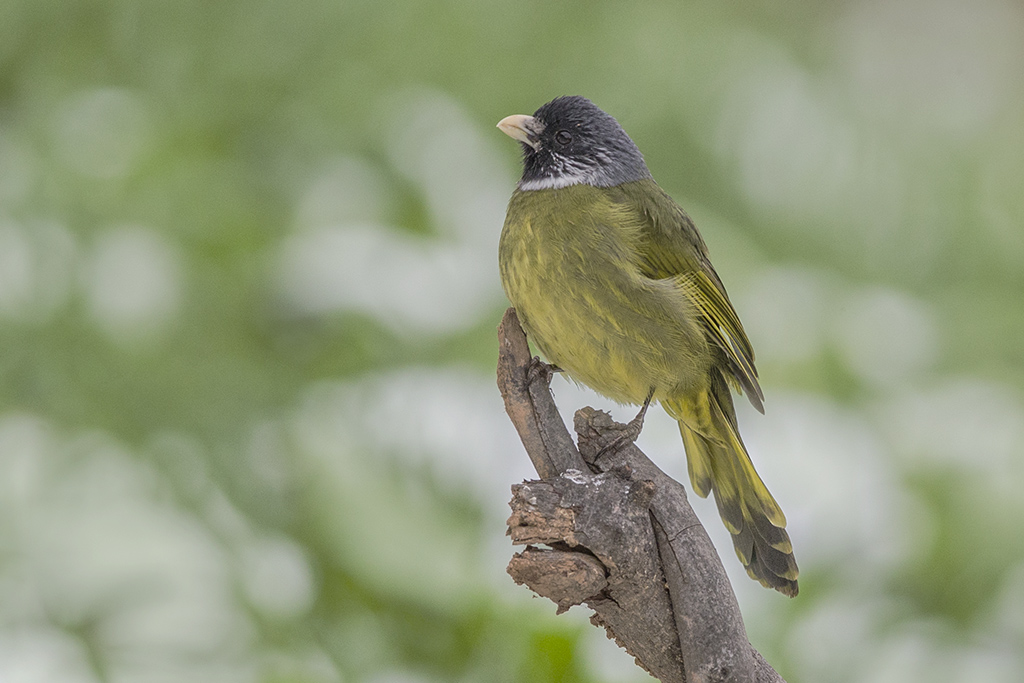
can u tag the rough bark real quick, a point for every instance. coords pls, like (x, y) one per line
(618, 534)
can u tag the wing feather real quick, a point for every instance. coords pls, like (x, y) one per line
(671, 248)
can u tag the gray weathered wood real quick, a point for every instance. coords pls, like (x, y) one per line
(620, 537)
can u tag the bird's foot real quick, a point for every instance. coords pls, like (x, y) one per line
(539, 370)
(630, 431)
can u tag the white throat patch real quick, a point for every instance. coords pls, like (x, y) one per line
(556, 182)
(565, 171)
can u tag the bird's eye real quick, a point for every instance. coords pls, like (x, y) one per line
(563, 137)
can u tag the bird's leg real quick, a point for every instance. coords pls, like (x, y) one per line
(637, 423)
(632, 429)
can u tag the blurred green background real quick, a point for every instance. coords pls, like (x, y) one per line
(248, 294)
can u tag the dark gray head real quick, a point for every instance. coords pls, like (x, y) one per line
(569, 141)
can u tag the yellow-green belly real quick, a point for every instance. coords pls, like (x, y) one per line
(569, 266)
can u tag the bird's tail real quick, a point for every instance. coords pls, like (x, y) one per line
(719, 464)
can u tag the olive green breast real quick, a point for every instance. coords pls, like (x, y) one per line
(569, 264)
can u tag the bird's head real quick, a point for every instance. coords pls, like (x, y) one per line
(570, 141)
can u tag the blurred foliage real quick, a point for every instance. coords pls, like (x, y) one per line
(248, 291)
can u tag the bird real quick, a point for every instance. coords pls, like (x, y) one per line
(613, 285)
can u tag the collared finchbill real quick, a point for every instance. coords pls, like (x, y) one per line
(613, 284)
(522, 128)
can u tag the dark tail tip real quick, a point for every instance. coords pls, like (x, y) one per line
(771, 567)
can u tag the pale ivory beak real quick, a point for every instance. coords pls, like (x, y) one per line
(520, 127)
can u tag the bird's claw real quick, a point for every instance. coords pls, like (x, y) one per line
(630, 431)
(539, 370)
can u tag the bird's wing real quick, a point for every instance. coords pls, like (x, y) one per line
(670, 247)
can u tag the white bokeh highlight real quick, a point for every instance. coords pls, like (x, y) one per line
(887, 338)
(102, 133)
(100, 547)
(344, 257)
(37, 262)
(133, 282)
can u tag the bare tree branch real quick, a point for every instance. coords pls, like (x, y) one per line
(620, 537)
